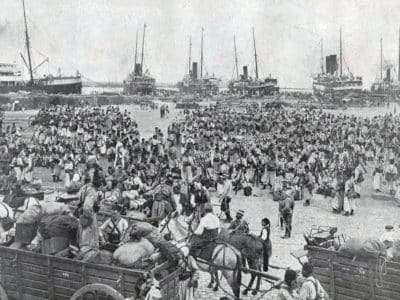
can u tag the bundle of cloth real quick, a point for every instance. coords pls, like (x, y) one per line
(130, 254)
(167, 250)
(364, 248)
(46, 223)
(26, 226)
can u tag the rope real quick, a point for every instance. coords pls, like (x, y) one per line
(380, 270)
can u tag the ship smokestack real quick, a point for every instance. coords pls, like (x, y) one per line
(331, 64)
(138, 70)
(245, 72)
(194, 70)
(388, 74)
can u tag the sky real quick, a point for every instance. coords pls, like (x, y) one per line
(97, 37)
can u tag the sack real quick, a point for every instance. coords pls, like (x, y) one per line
(31, 216)
(14, 201)
(364, 249)
(130, 253)
(58, 226)
(54, 208)
(247, 191)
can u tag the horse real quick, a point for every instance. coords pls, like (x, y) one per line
(251, 249)
(224, 257)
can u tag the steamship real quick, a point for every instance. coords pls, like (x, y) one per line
(194, 84)
(11, 79)
(333, 84)
(137, 82)
(245, 85)
(385, 86)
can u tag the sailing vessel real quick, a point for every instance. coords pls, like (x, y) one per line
(197, 84)
(385, 86)
(139, 82)
(333, 85)
(245, 85)
(11, 79)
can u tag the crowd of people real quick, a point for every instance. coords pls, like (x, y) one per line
(205, 157)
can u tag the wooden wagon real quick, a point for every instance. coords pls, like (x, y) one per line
(347, 279)
(28, 275)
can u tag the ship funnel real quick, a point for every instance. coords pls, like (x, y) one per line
(388, 75)
(194, 70)
(331, 64)
(245, 72)
(138, 70)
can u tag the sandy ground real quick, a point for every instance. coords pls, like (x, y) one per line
(373, 213)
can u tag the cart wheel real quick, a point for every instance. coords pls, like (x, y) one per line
(3, 294)
(92, 291)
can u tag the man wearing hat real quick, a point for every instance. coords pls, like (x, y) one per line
(286, 206)
(206, 232)
(239, 225)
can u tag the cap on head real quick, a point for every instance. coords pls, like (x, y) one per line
(290, 275)
(240, 212)
(308, 269)
(266, 221)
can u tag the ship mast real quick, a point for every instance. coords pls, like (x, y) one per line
(236, 59)
(398, 68)
(136, 50)
(322, 57)
(190, 53)
(341, 54)
(201, 54)
(381, 61)
(141, 64)
(28, 44)
(255, 54)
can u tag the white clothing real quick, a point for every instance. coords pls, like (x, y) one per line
(209, 221)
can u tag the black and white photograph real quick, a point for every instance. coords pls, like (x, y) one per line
(199, 150)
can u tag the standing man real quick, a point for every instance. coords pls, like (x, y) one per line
(239, 225)
(224, 191)
(391, 176)
(201, 197)
(286, 206)
(164, 202)
(308, 186)
(88, 231)
(267, 246)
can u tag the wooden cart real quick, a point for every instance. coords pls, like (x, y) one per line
(28, 275)
(347, 279)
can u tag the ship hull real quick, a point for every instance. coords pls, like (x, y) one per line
(137, 85)
(71, 88)
(138, 89)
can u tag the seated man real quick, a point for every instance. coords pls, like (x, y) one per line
(239, 225)
(114, 228)
(202, 242)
